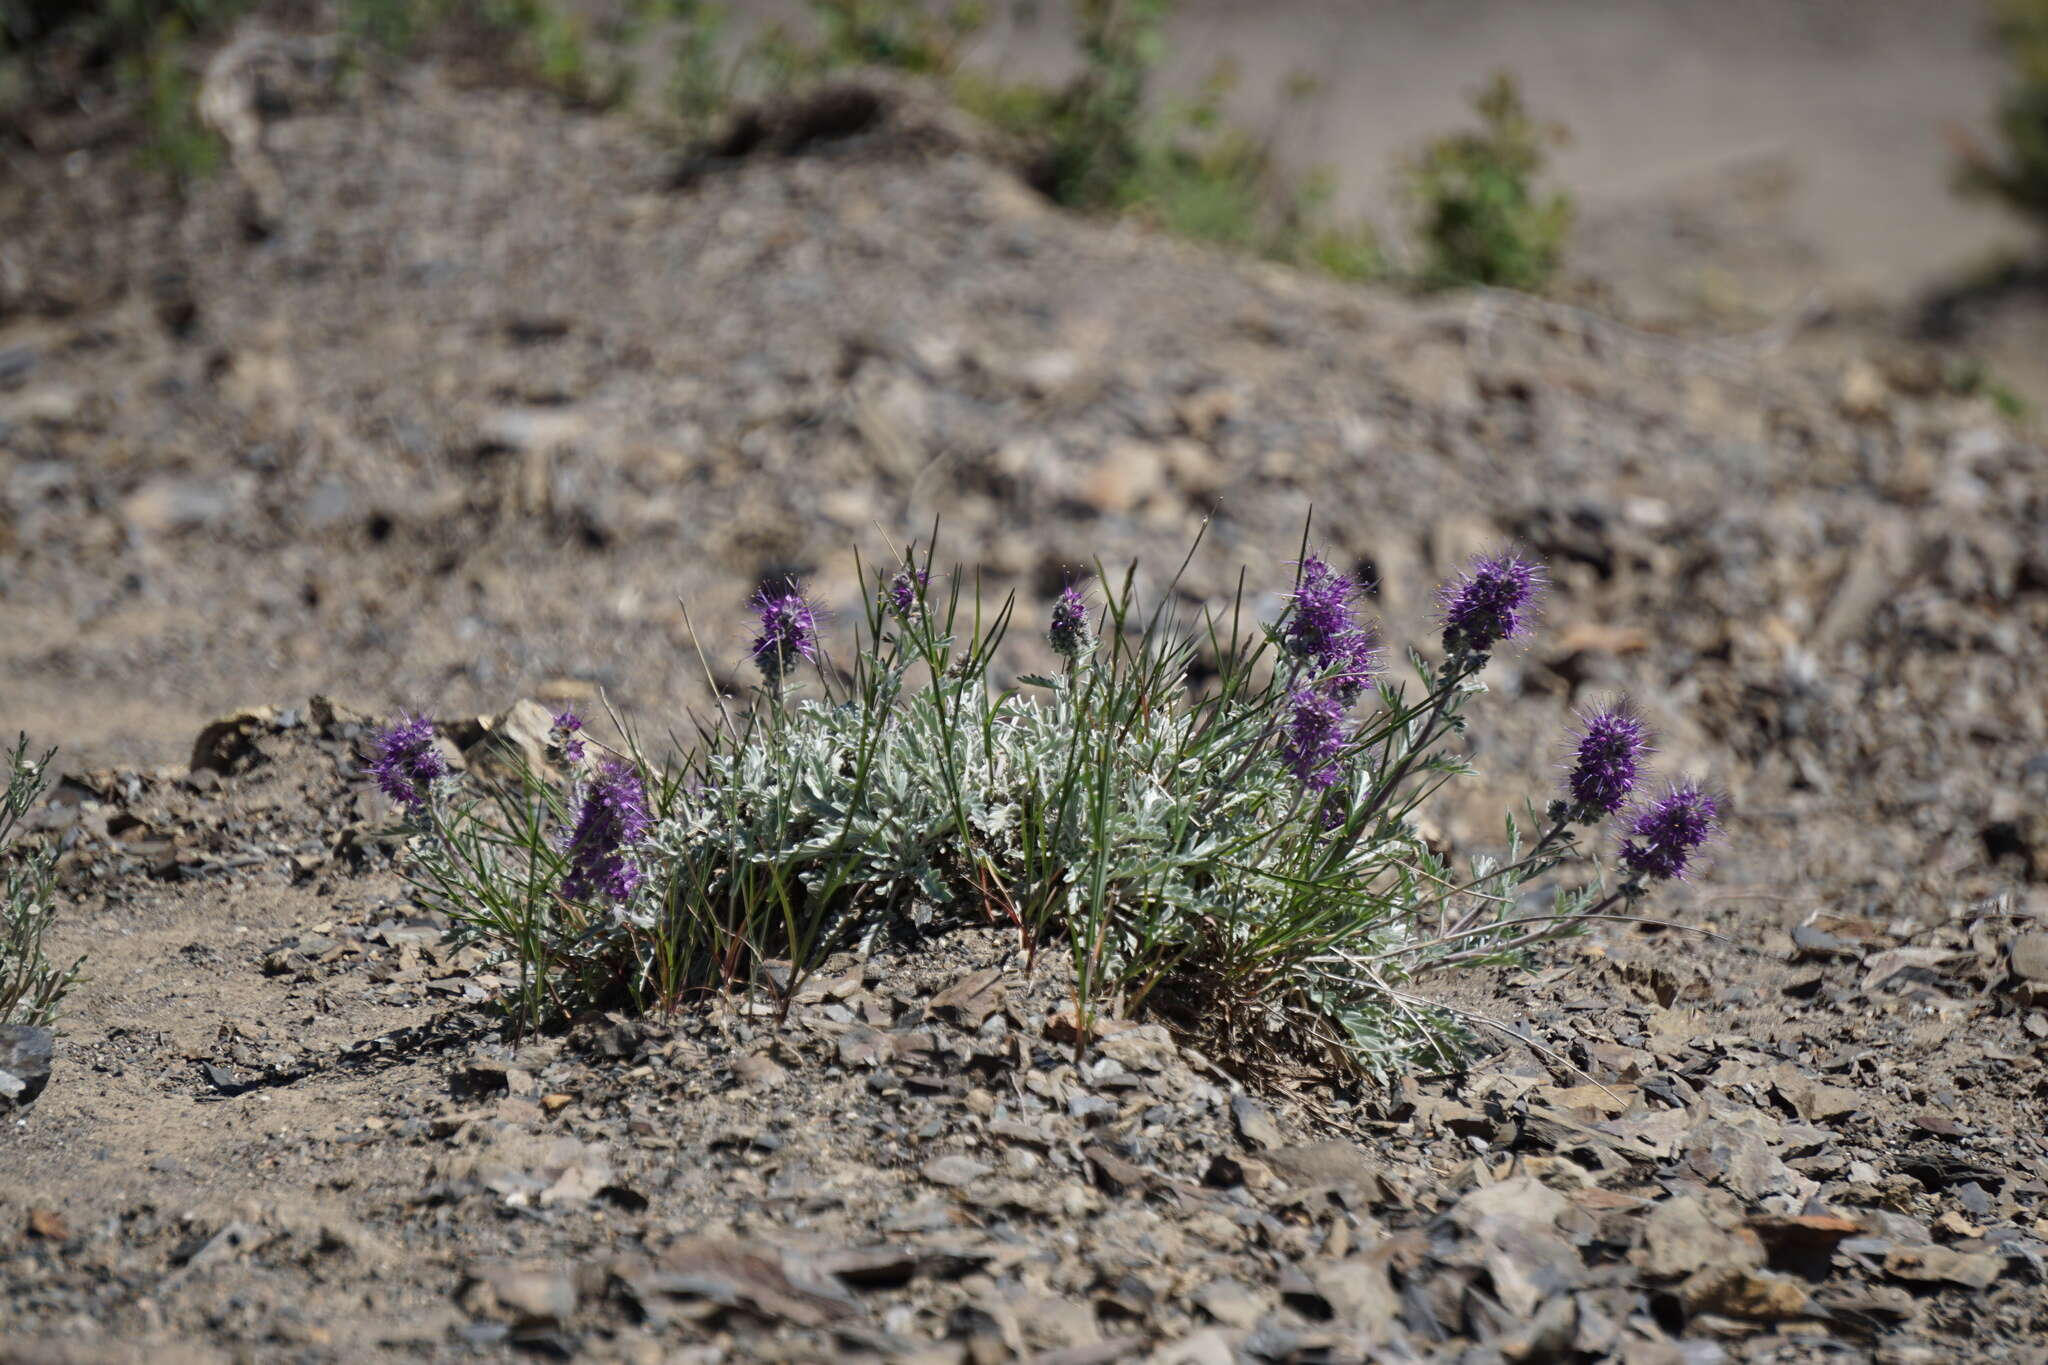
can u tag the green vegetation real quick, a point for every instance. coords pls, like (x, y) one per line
(1969, 376)
(2018, 176)
(30, 985)
(152, 51)
(178, 143)
(1478, 218)
(1099, 142)
(1103, 141)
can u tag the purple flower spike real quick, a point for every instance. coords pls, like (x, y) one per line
(1322, 611)
(1323, 633)
(1069, 630)
(1491, 601)
(1665, 834)
(566, 726)
(1315, 736)
(1607, 759)
(408, 762)
(613, 818)
(789, 631)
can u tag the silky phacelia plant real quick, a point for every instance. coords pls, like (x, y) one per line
(789, 631)
(1219, 813)
(1665, 834)
(1493, 600)
(1068, 633)
(1607, 759)
(613, 818)
(408, 763)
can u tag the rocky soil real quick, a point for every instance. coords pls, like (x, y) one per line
(446, 396)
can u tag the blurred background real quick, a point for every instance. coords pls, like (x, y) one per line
(433, 354)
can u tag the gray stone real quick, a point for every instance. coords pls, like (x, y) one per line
(1255, 1123)
(529, 1295)
(2030, 957)
(955, 1170)
(26, 1055)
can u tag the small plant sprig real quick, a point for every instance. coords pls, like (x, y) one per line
(1243, 858)
(1478, 215)
(2017, 174)
(31, 986)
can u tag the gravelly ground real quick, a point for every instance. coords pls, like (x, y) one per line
(446, 399)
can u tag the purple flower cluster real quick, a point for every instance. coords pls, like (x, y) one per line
(1607, 759)
(567, 726)
(1323, 632)
(1659, 836)
(1665, 833)
(789, 631)
(408, 762)
(1491, 600)
(1315, 736)
(902, 593)
(1069, 630)
(612, 819)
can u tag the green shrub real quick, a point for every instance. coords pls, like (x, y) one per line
(1478, 217)
(389, 25)
(1187, 168)
(30, 985)
(2018, 176)
(905, 35)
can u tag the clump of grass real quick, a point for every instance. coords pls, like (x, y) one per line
(30, 984)
(1479, 218)
(1243, 858)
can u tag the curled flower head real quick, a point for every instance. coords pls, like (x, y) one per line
(1314, 736)
(1069, 630)
(900, 596)
(1491, 600)
(1666, 832)
(1607, 759)
(1323, 633)
(567, 724)
(612, 819)
(408, 762)
(789, 631)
